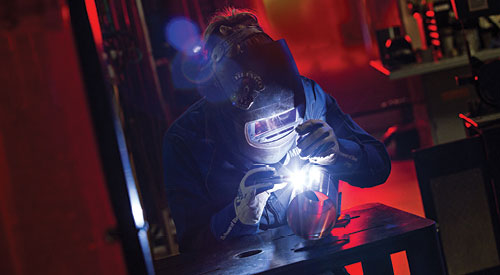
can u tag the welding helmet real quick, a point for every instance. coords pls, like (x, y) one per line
(260, 95)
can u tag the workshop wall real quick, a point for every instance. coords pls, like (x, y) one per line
(54, 205)
(332, 43)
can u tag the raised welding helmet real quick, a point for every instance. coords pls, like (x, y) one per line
(259, 96)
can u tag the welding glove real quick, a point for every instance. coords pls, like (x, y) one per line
(255, 188)
(317, 142)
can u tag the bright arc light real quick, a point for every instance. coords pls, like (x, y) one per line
(305, 178)
(299, 178)
(314, 174)
(196, 49)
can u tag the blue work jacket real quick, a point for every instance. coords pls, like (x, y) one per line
(202, 177)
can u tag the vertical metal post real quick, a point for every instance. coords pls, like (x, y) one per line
(113, 152)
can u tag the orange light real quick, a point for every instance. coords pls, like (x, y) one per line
(355, 268)
(400, 263)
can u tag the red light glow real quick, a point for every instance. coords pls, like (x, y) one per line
(403, 180)
(467, 120)
(378, 65)
(429, 13)
(454, 6)
(65, 13)
(389, 132)
(114, 15)
(388, 43)
(400, 263)
(340, 42)
(94, 22)
(125, 13)
(421, 30)
(432, 28)
(436, 42)
(434, 35)
(355, 268)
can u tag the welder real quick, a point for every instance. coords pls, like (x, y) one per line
(225, 159)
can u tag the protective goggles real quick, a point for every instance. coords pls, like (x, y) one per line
(271, 131)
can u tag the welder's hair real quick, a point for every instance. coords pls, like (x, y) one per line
(230, 17)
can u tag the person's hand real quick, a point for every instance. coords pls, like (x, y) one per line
(317, 142)
(255, 188)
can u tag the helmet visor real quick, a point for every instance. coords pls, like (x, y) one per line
(272, 131)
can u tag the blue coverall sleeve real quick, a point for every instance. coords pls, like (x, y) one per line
(370, 164)
(197, 220)
(189, 204)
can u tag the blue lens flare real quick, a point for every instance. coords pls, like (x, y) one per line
(184, 35)
(182, 77)
(187, 65)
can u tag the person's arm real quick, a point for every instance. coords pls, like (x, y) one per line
(188, 201)
(363, 161)
(199, 224)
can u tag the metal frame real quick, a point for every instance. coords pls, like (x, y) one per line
(106, 124)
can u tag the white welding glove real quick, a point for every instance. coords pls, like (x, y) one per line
(255, 188)
(317, 142)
